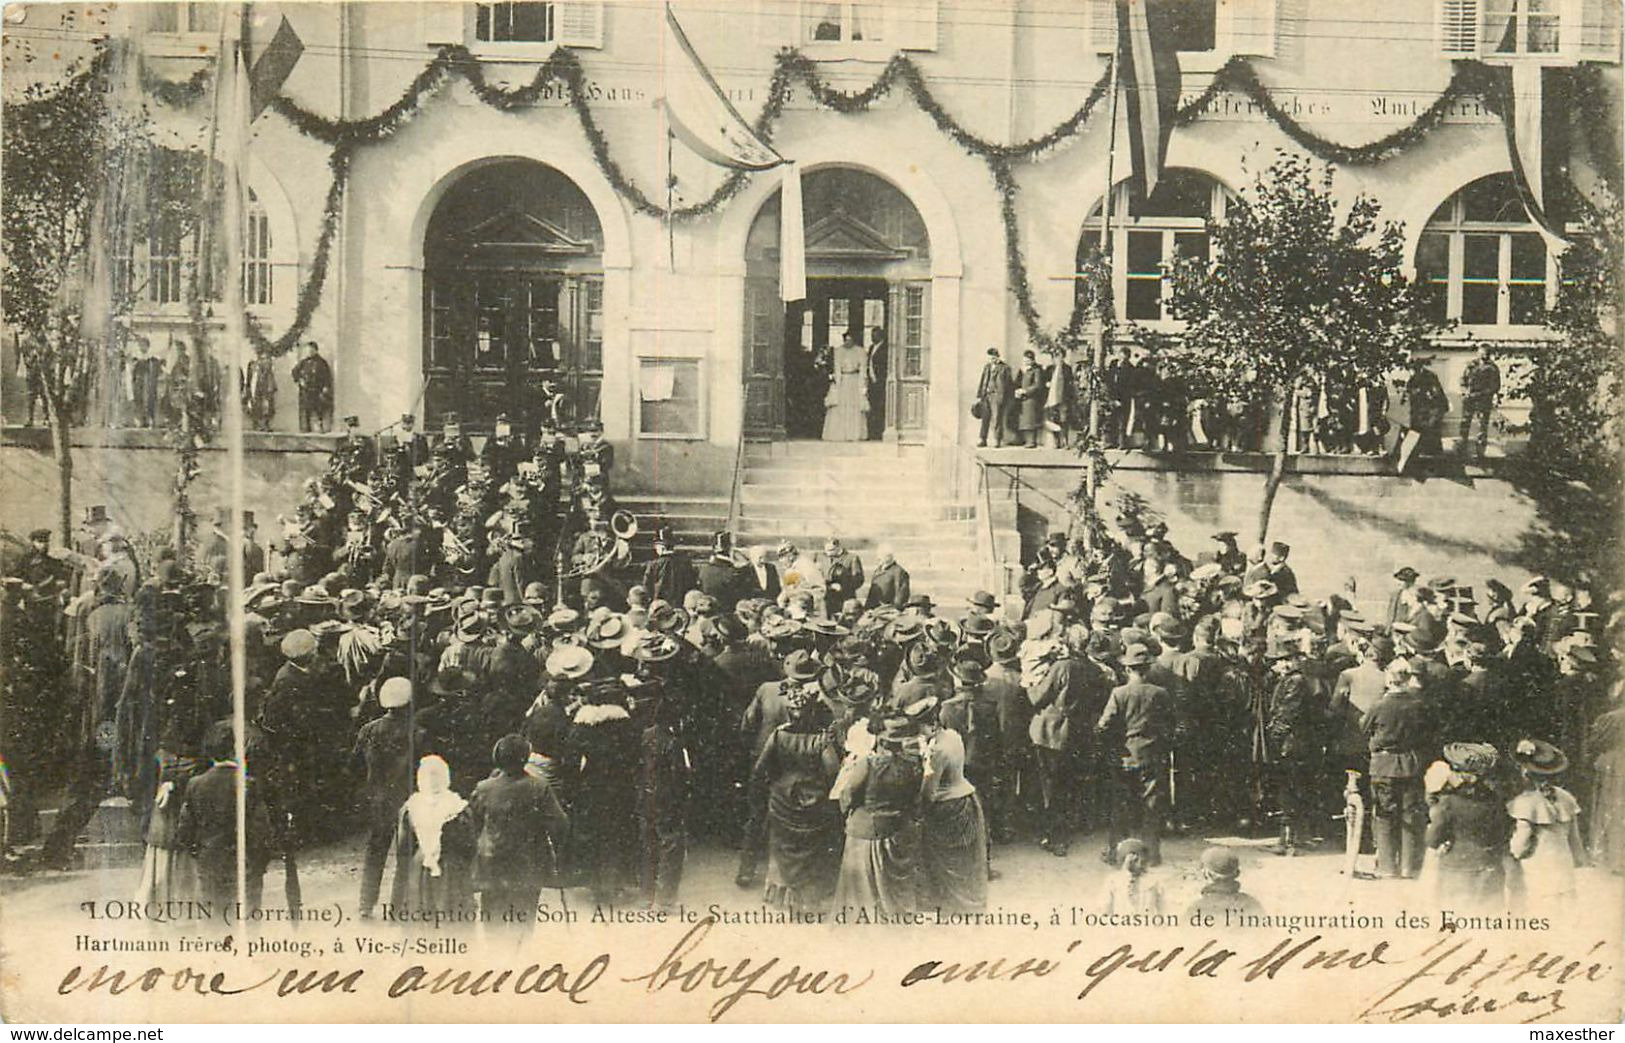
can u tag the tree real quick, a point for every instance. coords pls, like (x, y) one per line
(1295, 292)
(1575, 386)
(63, 146)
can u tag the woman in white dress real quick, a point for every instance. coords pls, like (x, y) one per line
(846, 419)
(1546, 831)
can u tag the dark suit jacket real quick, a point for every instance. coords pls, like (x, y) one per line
(754, 588)
(1031, 382)
(888, 586)
(511, 815)
(995, 384)
(722, 580)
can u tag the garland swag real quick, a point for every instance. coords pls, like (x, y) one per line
(791, 66)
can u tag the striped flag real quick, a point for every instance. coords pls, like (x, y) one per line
(701, 115)
(1535, 106)
(1150, 77)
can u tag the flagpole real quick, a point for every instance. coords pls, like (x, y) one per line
(1099, 361)
(232, 63)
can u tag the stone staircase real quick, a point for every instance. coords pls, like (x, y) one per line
(869, 494)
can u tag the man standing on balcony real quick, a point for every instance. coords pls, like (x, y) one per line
(1480, 384)
(315, 380)
(1030, 396)
(993, 399)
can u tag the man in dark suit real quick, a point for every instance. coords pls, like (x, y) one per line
(208, 825)
(669, 576)
(1275, 569)
(761, 576)
(889, 584)
(1138, 724)
(993, 398)
(518, 823)
(719, 576)
(843, 575)
(1030, 395)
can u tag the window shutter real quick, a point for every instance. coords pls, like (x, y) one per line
(1458, 28)
(580, 23)
(444, 23)
(1103, 26)
(1599, 31)
(912, 26)
(1252, 26)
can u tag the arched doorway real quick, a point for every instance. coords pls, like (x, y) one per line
(513, 298)
(868, 276)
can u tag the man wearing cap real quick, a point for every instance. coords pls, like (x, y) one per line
(385, 755)
(843, 575)
(1065, 698)
(314, 378)
(517, 823)
(719, 576)
(1014, 712)
(1480, 384)
(993, 390)
(889, 584)
(1222, 897)
(1292, 729)
(1401, 739)
(1137, 728)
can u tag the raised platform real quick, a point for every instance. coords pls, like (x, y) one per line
(1448, 465)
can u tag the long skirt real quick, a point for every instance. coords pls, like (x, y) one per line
(803, 858)
(168, 874)
(879, 875)
(953, 851)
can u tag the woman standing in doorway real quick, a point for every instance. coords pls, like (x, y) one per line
(848, 400)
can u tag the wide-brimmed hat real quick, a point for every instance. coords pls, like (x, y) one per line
(968, 670)
(569, 662)
(918, 601)
(827, 627)
(984, 601)
(491, 598)
(1206, 571)
(1405, 573)
(1004, 646)
(977, 626)
(942, 632)
(607, 634)
(655, 648)
(1477, 758)
(314, 595)
(800, 666)
(453, 681)
(780, 629)
(667, 618)
(535, 594)
(563, 617)
(1539, 757)
(906, 628)
(1262, 588)
(1137, 655)
(521, 619)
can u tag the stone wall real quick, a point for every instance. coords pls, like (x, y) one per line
(133, 473)
(1341, 518)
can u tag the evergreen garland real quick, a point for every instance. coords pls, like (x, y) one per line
(790, 66)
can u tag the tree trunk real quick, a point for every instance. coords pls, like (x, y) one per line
(62, 449)
(1272, 483)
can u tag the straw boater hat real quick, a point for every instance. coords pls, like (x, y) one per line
(607, 634)
(655, 648)
(569, 662)
(1259, 589)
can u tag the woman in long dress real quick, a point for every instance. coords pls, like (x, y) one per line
(1468, 828)
(880, 793)
(1606, 745)
(846, 419)
(797, 765)
(953, 833)
(1546, 829)
(434, 844)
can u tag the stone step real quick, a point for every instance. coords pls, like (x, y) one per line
(789, 482)
(855, 514)
(805, 450)
(822, 528)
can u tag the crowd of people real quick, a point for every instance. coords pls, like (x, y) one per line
(1150, 404)
(456, 654)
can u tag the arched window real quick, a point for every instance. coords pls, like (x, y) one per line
(1148, 234)
(259, 274)
(1482, 259)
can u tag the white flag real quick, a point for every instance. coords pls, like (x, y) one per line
(792, 238)
(701, 116)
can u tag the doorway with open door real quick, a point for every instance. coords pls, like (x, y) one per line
(849, 363)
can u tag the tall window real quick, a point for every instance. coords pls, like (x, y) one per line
(1192, 25)
(1148, 235)
(258, 274)
(1522, 26)
(514, 22)
(1482, 259)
